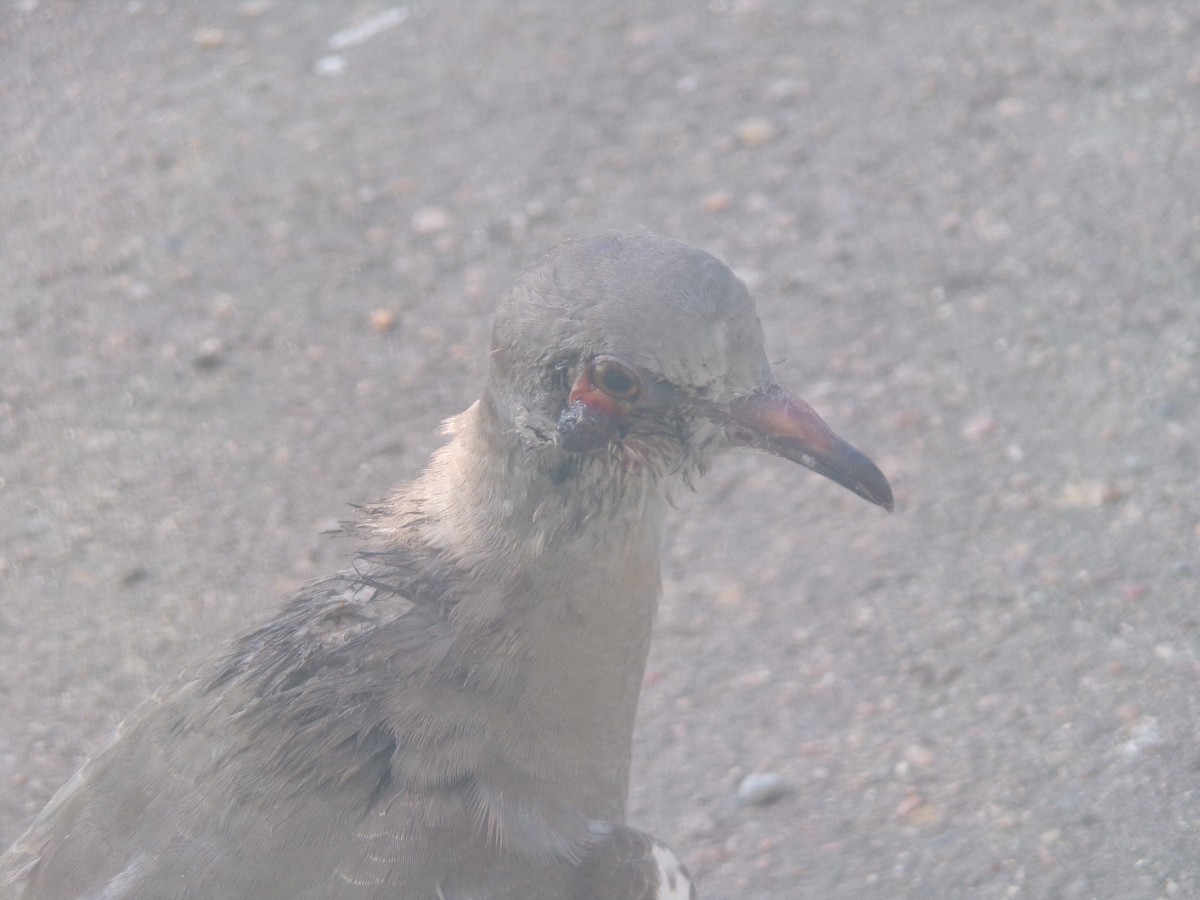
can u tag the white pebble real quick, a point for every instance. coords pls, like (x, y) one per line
(331, 65)
(761, 788)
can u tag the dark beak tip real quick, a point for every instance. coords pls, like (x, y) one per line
(874, 487)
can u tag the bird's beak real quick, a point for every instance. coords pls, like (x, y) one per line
(775, 421)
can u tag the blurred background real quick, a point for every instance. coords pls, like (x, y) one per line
(250, 254)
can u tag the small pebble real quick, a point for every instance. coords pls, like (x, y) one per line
(716, 202)
(918, 755)
(431, 220)
(383, 320)
(331, 65)
(252, 9)
(979, 427)
(1089, 494)
(1010, 107)
(1144, 736)
(209, 38)
(761, 788)
(755, 132)
(208, 354)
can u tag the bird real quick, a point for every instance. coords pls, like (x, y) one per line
(450, 716)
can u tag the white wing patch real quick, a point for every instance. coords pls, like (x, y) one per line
(673, 880)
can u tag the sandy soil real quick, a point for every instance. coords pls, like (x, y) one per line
(250, 258)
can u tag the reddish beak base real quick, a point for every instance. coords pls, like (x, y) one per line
(775, 421)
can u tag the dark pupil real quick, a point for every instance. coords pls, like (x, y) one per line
(615, 381)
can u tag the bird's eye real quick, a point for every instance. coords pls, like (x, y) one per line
(615, 378)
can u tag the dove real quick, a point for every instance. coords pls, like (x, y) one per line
(450, 717)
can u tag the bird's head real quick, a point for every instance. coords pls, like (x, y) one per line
(642, 351)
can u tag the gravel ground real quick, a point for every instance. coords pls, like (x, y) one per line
(251, 252)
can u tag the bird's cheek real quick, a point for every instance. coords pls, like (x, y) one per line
(592, 420)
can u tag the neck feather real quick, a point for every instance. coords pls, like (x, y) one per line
(561, 555)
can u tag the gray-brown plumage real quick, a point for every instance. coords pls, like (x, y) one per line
(451, 716)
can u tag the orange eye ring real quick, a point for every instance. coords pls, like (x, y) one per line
(615, 379)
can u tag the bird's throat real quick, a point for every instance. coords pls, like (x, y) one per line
(565, 581)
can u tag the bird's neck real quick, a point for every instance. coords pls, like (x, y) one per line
(563, 556)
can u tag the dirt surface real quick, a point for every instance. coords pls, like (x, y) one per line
(250, 259)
